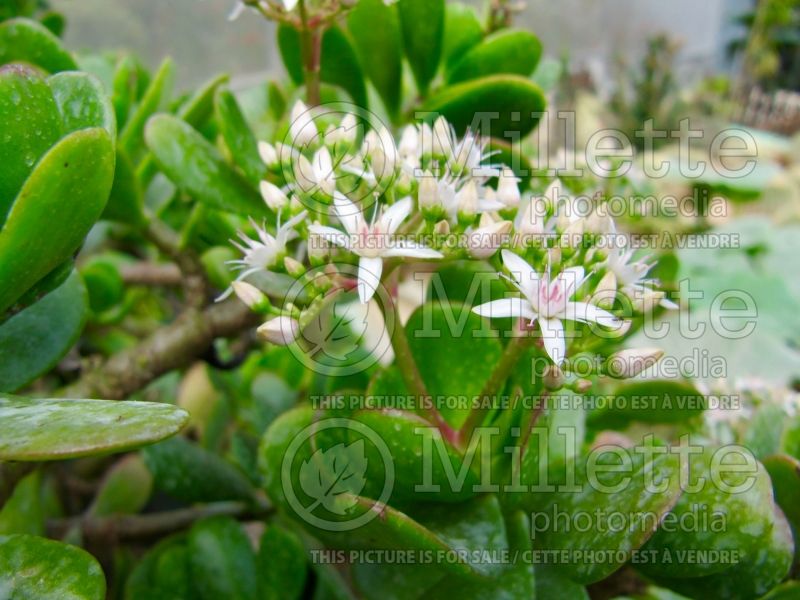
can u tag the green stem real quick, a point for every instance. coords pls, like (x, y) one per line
(513, 352)
(311, 50)
(410, 372)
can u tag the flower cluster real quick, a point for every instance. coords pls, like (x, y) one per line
(357, 194)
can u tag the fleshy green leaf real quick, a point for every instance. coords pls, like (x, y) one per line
(515, 580)
(761, 567)
(239, 139)
(498, 98)
(58, 429)
(507, 51)
(163, 572)
(83, 102)
(652, 401)
(637, 496)
(54, 211)
(422, 23)
(188, 472)
(462, 31)
(282, 565)
(156, 96)
(404, 434)
(221, 559)
(748, 515)
(339, 65)
(784, 471)
(375, 30)
(126, 200)
(34, 340)
(33, 567)
(125, 488)
(195, 166)
(454, 351)
(30, 124)
(24, 40)
(22, 512)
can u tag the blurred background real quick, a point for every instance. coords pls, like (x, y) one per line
(200, 39)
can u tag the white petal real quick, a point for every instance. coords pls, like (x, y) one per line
(369, 277)
(570, 280)
(396, 214)
(331, 235)
(408, 249)
(290, 4)
(506, 307)
(589, 313)
(237, 11)
(348, 214)
(524, 274)
(553, 338)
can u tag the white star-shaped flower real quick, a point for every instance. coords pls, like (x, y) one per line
(372, 242)
(547, 302)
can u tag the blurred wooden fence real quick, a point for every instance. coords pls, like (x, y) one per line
(771, 111)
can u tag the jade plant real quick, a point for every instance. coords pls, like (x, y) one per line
(332, 336)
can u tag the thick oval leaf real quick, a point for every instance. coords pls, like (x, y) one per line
(126, 200)
(195, 166)
(54, 211)
(282, 565)
(58, 429)
(497, 98)
(468, 528)
(404, 435)
(339, 64)
(83, 102)
(27, 41)
(462, 31)
(422, 23)
(747, 514)
(455, 353)
(125, 489)
(221, 560)
(507, 51)
(156, 96)
(163, 572)
(239, 139)
(759, 569)
(375, 30)
(638, 497)
(651, 401)
(514, 581)
(33, 567)
(188, 472)
(35, 339)
(784, 471)
(30, 124)
(22, 512)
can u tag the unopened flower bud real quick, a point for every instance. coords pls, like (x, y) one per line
(268, 154)
(630, 363)
(302, 129)
(442, 227)
(508, 189)
(442, 144)
(251, 296)
(606, 291)
(487, 239)
(293, 267)
(280, 331)
(467, 201)
(273, 196)
(428, 195)
(553, 378)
